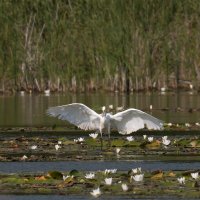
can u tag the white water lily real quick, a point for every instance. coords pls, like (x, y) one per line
(165, 140)
(187, 125)
(103, 108)
(108, 181)
(110, 107)
(34, 147)
(138, 177)
(169, 124)
(145, 137)
(150, 139)
(65, 177)
(195, 175)
(197, 124)
(165, 137)
(134, 171)
(57, 147)
(93, 135)
(24, 157)
(181, 180)
(124, 187)
(96, 192)
(59, 142)
(22, 93)
(119, 108)
(79, 140)
(90, 175)
(130, 138)
(117, 150)
(137, 170)
(112, 171)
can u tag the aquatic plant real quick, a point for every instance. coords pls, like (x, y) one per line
(96, 192)
(130, 138)
(137, 170)
(165, 140)
(24, 157)
(57, 147)
(79, 140)
(93, 135)
(150, 139)
(181, 180)
(124, 187)
(90, 175)
(195, 175)
(108, 181)
(108, 171)
(34, 147)
(117, 150)
(138, 177)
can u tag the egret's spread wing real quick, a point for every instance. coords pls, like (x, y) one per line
(77, 114)
(132, 120)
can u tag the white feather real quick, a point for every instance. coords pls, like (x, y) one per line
(131, 120)
(124, 122)
(77, 114)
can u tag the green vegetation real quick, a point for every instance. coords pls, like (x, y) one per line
(19, 148)
(155, 183)
(85, 45)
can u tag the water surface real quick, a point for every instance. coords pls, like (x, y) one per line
(30, 109)
(21, 167)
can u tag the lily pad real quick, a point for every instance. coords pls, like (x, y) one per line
(117, 143)
(157, 176)
(152, 145)
(55, 175)
(74, 172)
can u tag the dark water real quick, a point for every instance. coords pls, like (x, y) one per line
(29, 110)
(18, 167)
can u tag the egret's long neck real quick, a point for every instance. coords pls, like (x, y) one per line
(104, 114)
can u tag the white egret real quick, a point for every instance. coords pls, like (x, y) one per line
(124, 122)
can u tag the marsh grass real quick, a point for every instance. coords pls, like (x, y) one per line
(113, 45)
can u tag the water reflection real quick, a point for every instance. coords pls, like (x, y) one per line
(29, 110)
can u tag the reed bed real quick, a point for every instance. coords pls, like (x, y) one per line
(88, 45)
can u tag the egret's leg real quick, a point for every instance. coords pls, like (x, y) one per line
(109, 141)
(101, 139)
